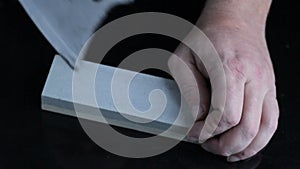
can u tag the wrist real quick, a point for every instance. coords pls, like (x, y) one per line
(235, 14)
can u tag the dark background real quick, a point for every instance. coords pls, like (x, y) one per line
(32, 138)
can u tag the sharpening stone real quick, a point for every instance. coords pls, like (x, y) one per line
(57, 97)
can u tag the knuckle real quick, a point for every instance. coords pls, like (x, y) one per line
(263, 71)
(272, 125)
(262, 74)
(229, 120)
(259, 73)
(231, 90)
(236, 68)
(249, 132)
(272, 92)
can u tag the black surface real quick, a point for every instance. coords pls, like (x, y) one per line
(32, 138)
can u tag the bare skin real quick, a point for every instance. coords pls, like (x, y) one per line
(237, 30)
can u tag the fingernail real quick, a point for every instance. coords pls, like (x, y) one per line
(204, 136)
(202, 140)
(204, 147)
(198, 112)
(192, 139)
(233, 159)
(195, 110)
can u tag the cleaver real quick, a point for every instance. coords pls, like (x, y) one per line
(67, 25)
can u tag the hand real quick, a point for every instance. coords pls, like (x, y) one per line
(251, 110)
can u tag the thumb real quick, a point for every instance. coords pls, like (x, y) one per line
(190, 81)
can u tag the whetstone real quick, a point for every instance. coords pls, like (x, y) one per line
(57, 97)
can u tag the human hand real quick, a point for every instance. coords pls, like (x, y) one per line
(251, 111)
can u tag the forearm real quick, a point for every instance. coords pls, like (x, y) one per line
(250, 13)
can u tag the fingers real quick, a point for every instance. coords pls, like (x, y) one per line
(268, 127)
(193, 135)
(233, 106)
(191, 83)
(231, 116)
(239, 137)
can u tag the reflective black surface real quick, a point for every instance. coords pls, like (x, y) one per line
(32, 138)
